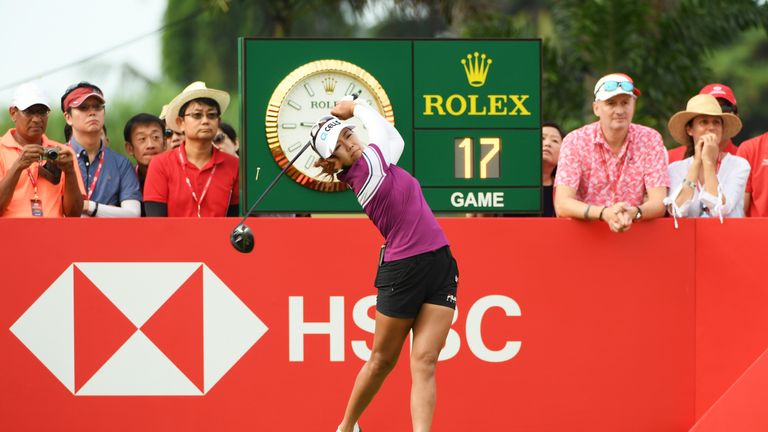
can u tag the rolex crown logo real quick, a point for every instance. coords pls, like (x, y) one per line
(329, 85)
(476, 69)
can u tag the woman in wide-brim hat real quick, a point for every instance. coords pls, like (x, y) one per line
(194, 179)
(710, 181)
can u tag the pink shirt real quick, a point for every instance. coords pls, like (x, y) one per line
(600, 177)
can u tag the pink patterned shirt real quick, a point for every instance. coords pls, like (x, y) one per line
(600, 177)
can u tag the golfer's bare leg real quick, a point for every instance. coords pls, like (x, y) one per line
(429, 332)
(388, 340)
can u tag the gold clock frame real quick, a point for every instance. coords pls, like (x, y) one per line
(287, 84)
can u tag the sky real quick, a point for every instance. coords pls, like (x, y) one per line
(45, 35)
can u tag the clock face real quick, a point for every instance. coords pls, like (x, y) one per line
(305, 95)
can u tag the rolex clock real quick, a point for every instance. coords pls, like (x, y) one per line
(305, 95)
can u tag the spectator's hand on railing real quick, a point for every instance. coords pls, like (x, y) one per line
(617, 217)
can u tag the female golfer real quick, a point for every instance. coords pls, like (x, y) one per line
(417, 275)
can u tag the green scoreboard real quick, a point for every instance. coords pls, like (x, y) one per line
(468, 110)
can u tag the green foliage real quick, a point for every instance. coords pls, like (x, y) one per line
(200, 42)
(664, 45)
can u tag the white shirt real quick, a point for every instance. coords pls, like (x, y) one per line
(732, 178)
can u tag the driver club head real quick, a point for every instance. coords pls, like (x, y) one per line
(242, 238)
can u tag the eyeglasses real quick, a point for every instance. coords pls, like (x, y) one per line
(613, 85)
(32, 112)
(219, 138)
(213, 115)
(88, 107)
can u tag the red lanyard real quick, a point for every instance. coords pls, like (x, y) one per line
(33, 181)
(199, 202)
(98, 169)
(622, 161)
(96, 175)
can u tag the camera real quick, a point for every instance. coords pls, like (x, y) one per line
(51, 154)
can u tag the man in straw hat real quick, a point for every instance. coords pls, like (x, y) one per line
(612, 170)
(710, 181)
(195, 179)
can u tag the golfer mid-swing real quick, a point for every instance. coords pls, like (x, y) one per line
(417, 275)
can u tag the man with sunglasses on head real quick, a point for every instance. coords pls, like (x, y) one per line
(38, 176)
(195, 179)
(727, 100)
(110, 182)
(612, 170)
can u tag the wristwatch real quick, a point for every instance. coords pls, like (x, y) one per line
(639, 214)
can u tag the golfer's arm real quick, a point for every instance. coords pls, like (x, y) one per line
(380, 132)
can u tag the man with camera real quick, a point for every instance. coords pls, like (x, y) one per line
(38, 177)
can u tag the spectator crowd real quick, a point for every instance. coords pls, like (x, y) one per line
(186, 160)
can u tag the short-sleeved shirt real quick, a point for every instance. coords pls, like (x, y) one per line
(755, 151)
(167, 183)
(116, 182)
(50, 195)
(601, 177)
(392, 199)
(678, 153)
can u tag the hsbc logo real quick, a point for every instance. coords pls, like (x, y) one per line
(138, 329)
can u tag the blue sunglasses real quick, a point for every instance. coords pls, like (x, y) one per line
(613, 85)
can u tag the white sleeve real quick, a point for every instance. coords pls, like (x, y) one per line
(380, 132)
(677, 172)
(127, 209)
(731, 185)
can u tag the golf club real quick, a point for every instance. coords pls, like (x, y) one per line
(242, 236)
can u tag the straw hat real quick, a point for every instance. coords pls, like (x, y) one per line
(196, 90)
(702, 104)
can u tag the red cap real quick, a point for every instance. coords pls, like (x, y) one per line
(79, 95)
(719, 91)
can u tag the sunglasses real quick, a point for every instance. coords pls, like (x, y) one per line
(219, 138)
(613, 85)
(198, 115)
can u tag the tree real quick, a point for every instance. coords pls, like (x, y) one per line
(200, 42)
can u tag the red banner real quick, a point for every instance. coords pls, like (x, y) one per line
(160, 325)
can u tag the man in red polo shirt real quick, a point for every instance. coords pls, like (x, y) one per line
(194, 179)
(727, 100)
(755, 151)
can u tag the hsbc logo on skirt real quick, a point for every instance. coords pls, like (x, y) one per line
(138, 329)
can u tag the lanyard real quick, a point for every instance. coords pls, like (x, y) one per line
(33, 180)
(199, 202)
(96, 175)
(92, 187)
(622, 162)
